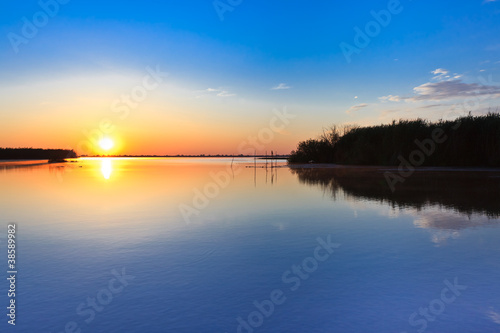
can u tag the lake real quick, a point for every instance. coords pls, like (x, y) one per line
(216, 245)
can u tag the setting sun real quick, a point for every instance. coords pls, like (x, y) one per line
(335, 167)
(106, 143)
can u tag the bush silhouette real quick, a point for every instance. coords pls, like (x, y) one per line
(470, 141)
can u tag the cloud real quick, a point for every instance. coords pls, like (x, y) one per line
(446, 87)
(432, 106)
(441, 74)
(281, 86)
(356, 108)
(218, 92)
(440, 71)
(494, 316)
(224, 93)
(488, 1)
(446, 90)
(390, 98)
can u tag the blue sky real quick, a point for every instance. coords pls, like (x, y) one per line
(227, 69)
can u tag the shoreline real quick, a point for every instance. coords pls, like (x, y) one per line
(11, 164)
(387, 168)
(6, 163)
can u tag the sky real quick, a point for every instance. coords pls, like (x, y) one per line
(236, 76)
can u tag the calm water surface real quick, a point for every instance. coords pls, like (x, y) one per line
(195, 245)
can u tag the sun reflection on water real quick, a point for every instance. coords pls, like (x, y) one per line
(106, 168)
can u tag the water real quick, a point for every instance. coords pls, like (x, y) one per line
(203, 246)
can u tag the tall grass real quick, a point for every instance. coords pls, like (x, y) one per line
(470, 141)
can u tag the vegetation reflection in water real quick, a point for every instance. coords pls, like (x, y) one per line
(445, 201)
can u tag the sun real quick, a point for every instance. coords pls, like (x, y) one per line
(106, 143)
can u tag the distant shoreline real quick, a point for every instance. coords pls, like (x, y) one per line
(275, 157)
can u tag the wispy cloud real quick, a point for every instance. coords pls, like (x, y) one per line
(356, 108)
(442, 74)
(281, 86)
(219, 92)
(447, 90)
(447, 87)
(440, 71)
(390, 98)
(432, 106)
(225, 93)
(494, 316)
